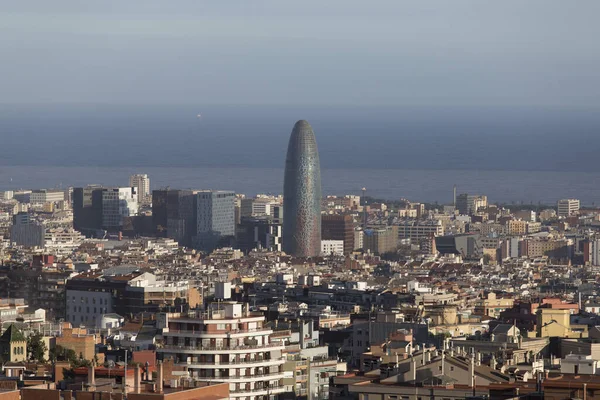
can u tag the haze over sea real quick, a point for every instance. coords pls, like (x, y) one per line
(510, 154)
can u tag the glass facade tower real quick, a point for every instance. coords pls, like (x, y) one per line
(302, 194)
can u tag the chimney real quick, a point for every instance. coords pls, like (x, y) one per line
(472, 370)
(137, 379)
(159, 378)
(443, 362)
(91, 378)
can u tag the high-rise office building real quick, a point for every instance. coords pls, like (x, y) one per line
(118, 203)
(215, 217)
(468, 204)
(87, 208)
(339, 227)
(142, 183)
(258, 232)
(302, 194)
(27, 232)
(98, 208)
(568, 207)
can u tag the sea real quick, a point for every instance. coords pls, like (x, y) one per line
(512, 155)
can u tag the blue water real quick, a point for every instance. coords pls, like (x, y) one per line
(415, 185)
(510, 154)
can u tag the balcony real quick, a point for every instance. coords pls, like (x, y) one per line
(217, 334)
(242, 378)
(257, 392)
(233, 364)
(169, 348)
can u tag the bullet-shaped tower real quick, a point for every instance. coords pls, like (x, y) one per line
(302, 194)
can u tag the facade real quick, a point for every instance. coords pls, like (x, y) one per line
(41, 287)
(118, 203)
(62, 241)
(468, 204)
(227, 344)
(97, 208)
(567, 207)
(302, 194)
(417, 230)
(142, 183)
(13, 345)
(46, 196)
(381, 240)
(27, 232)
(260, 206)
(215, 218)
(552, 248)
(339, 227)
(258, 232)
(87, 208)
(78, 340)
(90, 296)
(22, 196)
(174, 214)
(335, 247)
(592, 251)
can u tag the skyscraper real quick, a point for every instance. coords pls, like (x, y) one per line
(142, 183)
(302, 194)
(215, 218)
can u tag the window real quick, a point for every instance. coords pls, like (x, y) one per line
(451, 368)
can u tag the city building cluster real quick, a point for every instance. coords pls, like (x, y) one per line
(131, 293)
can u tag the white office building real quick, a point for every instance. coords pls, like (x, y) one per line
(46, 196)
(142, 183)
(116, 204)
(332, 247)
(568, 207)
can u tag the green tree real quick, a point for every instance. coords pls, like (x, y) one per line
(487, 259)
(59, 353)
(36, 347)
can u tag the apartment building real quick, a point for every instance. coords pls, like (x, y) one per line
(226, 344)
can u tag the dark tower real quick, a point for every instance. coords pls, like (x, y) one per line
(302, 194)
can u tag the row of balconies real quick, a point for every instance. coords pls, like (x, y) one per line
(200, 333)
(180, 348)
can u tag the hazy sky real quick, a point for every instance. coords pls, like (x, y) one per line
(359, 52)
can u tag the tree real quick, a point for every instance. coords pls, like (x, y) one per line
(59, 353)
(487, 259)
(36, 347)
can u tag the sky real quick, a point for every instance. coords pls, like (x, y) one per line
(310, 52)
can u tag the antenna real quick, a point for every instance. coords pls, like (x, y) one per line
(364, 192)
(454, 198)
